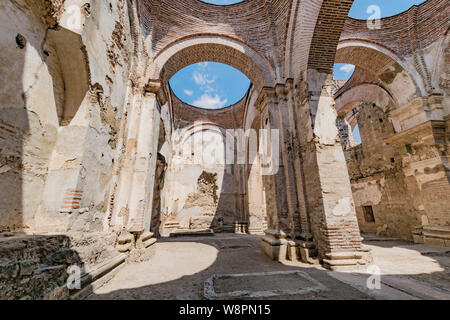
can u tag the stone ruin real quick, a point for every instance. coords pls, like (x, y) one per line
(93, 161)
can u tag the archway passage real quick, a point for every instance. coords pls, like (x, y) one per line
(392, 96)
(205, 183)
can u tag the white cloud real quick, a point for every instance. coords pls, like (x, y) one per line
(209, 102)
(347, 68)
(202, 79)
(188, 92)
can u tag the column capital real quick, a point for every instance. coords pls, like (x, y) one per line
(156, 87)
(281, 92)
(289, 85)
(266, 96)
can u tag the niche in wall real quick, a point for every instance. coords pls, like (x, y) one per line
(67, 62)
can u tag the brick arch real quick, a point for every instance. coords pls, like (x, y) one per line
(327, 32)
(225, 118)
(214, 48)
(375, 58)
(313, 34)
(369, 93)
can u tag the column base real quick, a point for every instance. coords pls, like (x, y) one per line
(145, 240)
(308, 252)
(275, 245)
(125, 241)
(348, 261)
(436, 236)
(240, 227)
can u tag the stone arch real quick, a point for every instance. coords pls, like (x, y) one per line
(205, 125)
(327, 32)
(367, 93)
(378, 60)
(216, 48)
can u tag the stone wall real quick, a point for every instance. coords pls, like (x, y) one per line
(398, 96)
(61, 116)
(65, 91)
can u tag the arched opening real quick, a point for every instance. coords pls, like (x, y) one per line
(207, 81)
(377, 65)
(349, 135)
(343, 71)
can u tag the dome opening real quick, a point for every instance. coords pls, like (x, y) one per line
(210, 85)
(222, 2)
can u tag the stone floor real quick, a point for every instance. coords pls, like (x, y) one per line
(180, 267)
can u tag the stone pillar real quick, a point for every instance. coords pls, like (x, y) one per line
(120, 210)
(329, 195)
(274, 243)
(134, 200)
(299, 242)
(142, 187)
(144, 166)
(305, 247)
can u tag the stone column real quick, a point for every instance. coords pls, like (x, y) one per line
(329, 195)
(141, 196)
(274, 243)
(306, 248)
(120, 215)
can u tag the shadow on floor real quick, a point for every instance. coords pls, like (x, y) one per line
(180, 267)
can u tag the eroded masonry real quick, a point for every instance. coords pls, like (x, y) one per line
(98, 156)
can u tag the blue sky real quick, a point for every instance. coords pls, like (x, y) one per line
(388, 7)
(222, 2)
(210, 85)
(359, 10)
(213, 85)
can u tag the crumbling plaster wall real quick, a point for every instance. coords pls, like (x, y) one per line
(378, 180)
(28, 118)
(200, 185)
(67, 154)
(76, 192)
